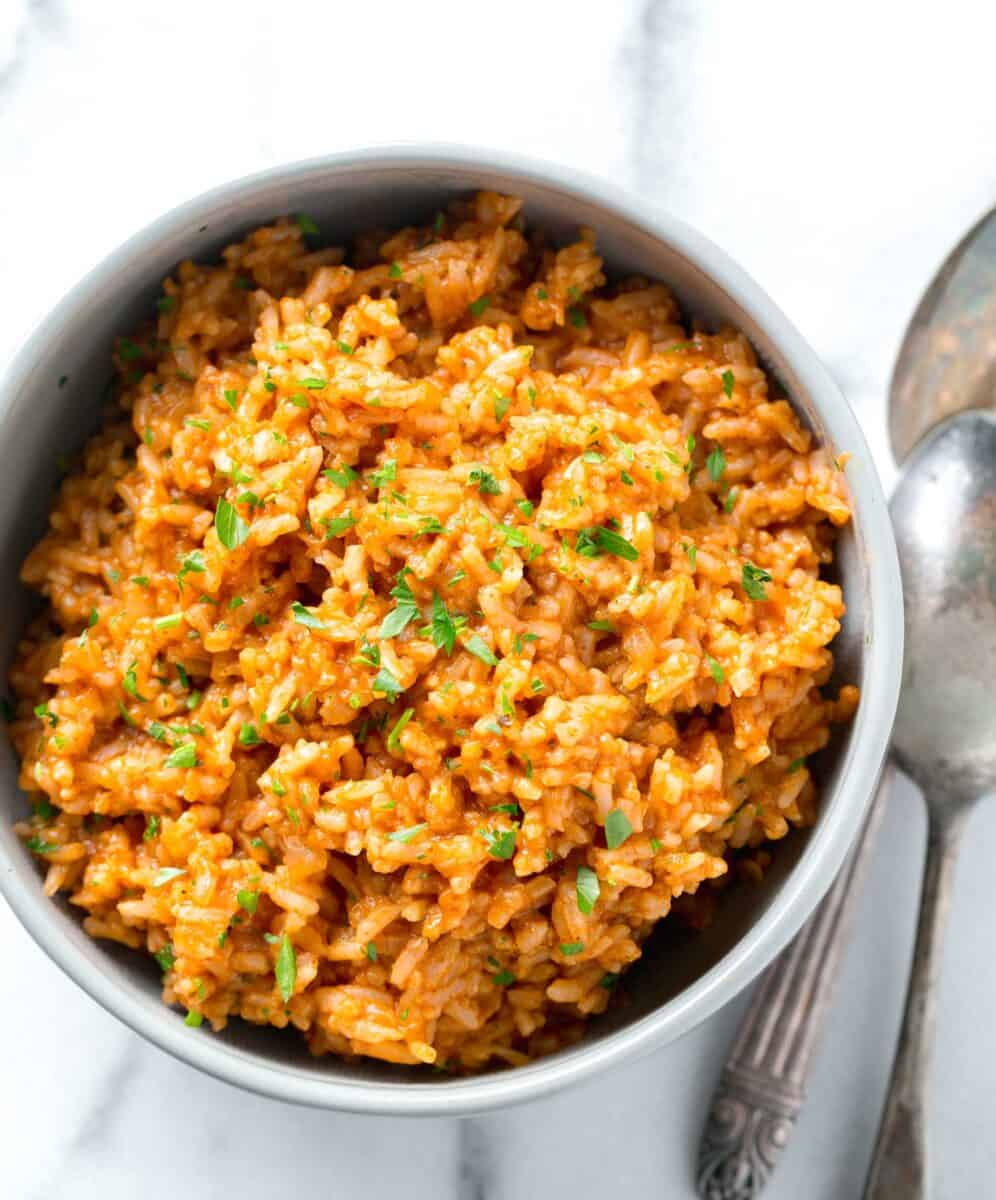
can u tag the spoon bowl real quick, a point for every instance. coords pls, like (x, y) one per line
(944, 515)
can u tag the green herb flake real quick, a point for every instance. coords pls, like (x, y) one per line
(248, 900)
(487, 485)
(406, 835)
(596, 540)
(393, 742)
(588, 889)
(727, 378)
(500, 842)
(304, 616)
(617, 828)
(130, 683)
(716, 463)
(753, 580)
(232, 530)
(182, 756)
(286, 970)
(394, 270)
(168, 622)
(602, 626)
(576, 317)
(232, 398)
(341, 476)
(443, 627)
(166, 957)
(248, 735)
(386, 683)
(344, 347)
(152, 826)
(191, 564)
(306, 225)
(314, 384)
(38, 845)
(371, 951)
(386, 473)
(570, 949)
(476, 645)
(795, 765)
(165, 874)
(715, 670)
(404, 612)
(477, 307)
(337, 526)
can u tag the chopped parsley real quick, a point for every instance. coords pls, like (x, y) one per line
(487, 485)
(286, 970)
(569, 949)
(232, 398)
(385, 682)
(595, 540)
(502, 405)
(406, 835)
(165, 874)
(182, 756)
(38, 845)
(336, 526)
(715, 670)
(306, 225)
(602, 626)
(152, 826)
(588, 889)
(371, 952)
(232, 530)
(248, 900)
(393, 738)
(480, 649)
(130, 683)
(443, 627)
(341, 476)
(500, 842)
(192, 564)
(248, 735)
(166, 957)
(394, 270)
(386, 473)
(304, 616)
(617, 828)
(716, 463)
(406, 610)
(478, 306)
(731, 499)
(525, 507)
(753, 580)
(503, 978)
(727, 378)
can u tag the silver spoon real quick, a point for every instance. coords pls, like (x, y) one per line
(947, 364)
(944, 514)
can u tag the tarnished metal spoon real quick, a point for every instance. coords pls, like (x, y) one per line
(944, 514)
(947, 362)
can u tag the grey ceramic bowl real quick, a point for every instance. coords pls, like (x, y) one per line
(682, 978)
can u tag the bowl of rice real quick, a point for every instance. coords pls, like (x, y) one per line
(453, 631)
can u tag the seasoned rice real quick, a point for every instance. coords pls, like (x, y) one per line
(418, 630)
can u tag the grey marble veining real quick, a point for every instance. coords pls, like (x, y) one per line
(837, 151)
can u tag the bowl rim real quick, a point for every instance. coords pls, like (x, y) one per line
(808, 880)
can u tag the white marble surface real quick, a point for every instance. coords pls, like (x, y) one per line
(838, 151)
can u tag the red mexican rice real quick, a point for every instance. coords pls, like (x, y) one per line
(418, 631)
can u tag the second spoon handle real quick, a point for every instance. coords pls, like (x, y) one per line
(763, 1083)
(899, 1165)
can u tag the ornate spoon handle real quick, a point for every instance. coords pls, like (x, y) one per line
(763, 1083)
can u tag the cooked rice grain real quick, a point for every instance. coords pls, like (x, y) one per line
(555, 496)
